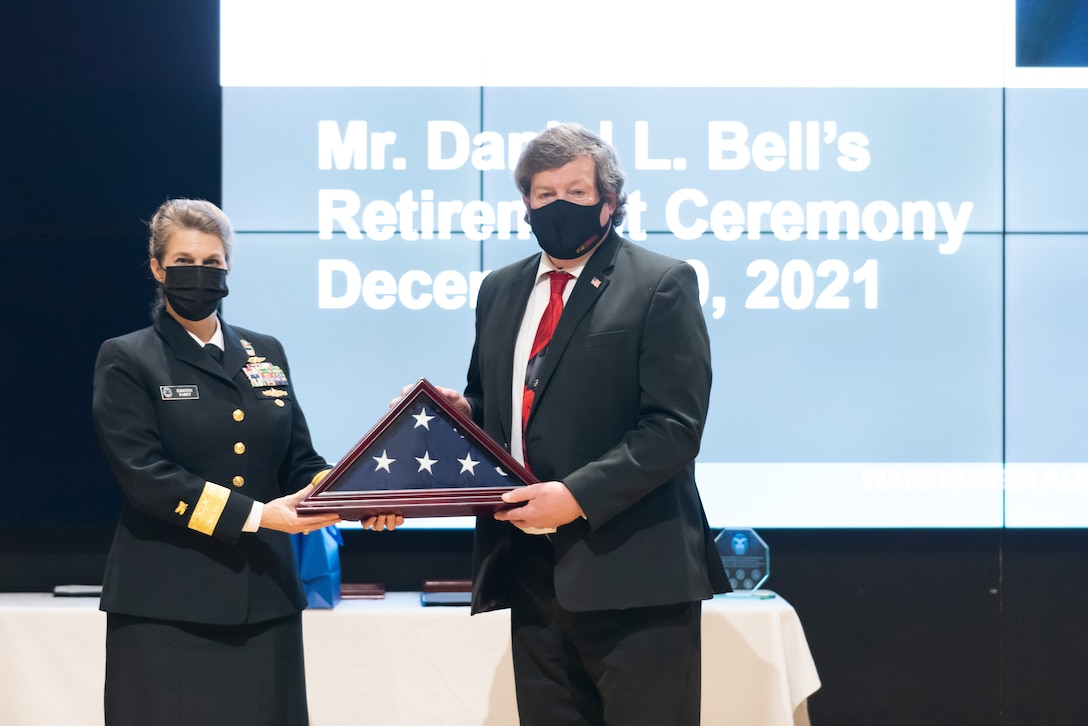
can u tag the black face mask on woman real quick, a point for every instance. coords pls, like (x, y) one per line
(566, 230)
(194, 291)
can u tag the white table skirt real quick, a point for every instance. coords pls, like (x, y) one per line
(400, 663)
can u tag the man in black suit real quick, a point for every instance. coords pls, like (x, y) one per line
(605, 565)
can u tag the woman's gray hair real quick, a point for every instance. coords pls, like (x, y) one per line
(562, 144)
(194, 214)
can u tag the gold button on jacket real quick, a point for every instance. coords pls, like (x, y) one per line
(239, 448)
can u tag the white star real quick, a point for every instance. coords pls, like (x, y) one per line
(501, 472)
(467, 464)
(421, 419)
(383, 462)
(426, 462)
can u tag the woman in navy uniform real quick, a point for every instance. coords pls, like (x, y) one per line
(200, 424)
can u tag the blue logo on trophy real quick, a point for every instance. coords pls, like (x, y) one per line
(740, 543)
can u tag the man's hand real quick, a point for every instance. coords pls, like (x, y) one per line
(280, 515)
(383, 522)
(549, 505)
(452, 396)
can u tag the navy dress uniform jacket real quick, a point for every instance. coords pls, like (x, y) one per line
(618, 417)
(192, 444)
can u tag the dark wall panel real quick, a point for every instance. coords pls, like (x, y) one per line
(1044, 616)
(903, 625)
(107, 111)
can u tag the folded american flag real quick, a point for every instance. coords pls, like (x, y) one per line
(423, 443)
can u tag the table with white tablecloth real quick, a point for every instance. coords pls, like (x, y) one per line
(398, 662)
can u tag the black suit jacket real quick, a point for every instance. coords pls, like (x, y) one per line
(193, 444)
(618, 418)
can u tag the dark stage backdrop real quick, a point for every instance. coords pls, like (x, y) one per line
(107, 109)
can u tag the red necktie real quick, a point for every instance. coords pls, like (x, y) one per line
(544, 331)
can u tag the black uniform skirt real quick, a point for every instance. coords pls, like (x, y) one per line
(163, 673)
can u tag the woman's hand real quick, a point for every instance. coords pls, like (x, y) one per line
(280, 515)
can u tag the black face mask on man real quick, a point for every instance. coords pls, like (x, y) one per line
(194, 291)
(566, 230)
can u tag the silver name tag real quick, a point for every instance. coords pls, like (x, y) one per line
(179, 393)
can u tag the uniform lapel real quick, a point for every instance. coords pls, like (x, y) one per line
(234, 356)
(188, 350)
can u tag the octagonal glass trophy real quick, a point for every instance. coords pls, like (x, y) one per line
(747, 561)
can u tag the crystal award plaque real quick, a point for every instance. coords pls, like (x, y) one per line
(746, 558)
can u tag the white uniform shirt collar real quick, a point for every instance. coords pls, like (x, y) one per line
(216, 339)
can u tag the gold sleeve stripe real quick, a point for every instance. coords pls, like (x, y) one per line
(319, 476)
(209, 508)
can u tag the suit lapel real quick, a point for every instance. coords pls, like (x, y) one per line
(505, 330)
(591, 285)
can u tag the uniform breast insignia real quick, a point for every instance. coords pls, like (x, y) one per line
(264, 374)
(181, 508)
(249, 351)
(274, 393)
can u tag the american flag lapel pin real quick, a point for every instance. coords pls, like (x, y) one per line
(596, 282)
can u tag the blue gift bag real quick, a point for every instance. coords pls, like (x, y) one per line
(317, 555)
